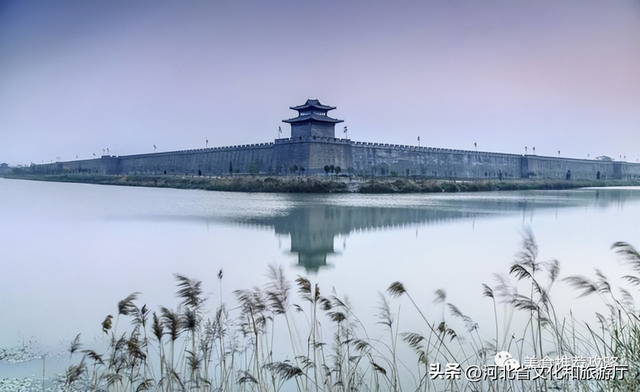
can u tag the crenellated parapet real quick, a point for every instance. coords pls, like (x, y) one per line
(314, 139)
(313, 148)
(427, 149)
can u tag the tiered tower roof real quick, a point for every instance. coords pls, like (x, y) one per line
(312, 110)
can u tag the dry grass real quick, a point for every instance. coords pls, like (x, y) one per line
(197, 348)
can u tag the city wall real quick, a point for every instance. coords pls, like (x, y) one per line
(566, 168)
(217, 161)
(309, 155)
(377, 159)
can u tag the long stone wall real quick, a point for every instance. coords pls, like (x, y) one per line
(103, 165)
(309, 155)
(377, 159)
(626, 170)
(253, 158)
(559, 168)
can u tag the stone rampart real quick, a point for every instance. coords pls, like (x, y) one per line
(106, 164)
(308, 155)
(534, 166)
(626, 170)
(215, 161)
(381, 159)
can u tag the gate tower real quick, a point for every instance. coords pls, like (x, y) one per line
(312, 121)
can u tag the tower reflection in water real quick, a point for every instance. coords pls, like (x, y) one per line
(313, 230)
(314, 222)
(314, 225)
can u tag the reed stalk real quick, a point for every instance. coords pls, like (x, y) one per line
(234, 349)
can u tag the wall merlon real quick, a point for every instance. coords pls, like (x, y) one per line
(309, 154)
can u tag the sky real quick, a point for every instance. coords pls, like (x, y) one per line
(80, 77)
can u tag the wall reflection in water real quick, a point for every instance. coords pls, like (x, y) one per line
(313, 225)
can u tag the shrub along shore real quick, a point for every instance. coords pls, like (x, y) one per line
(321, 184)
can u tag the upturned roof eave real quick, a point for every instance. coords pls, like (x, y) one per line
(312, 103)
(313, 118)
(321, 107)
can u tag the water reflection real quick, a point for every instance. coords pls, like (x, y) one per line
(312, 229)
(127, 239)
(314, 224)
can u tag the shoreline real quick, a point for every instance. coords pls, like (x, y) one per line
(318, 184)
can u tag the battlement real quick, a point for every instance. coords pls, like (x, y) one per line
(313, 147)
(427, 149)
(314, 139)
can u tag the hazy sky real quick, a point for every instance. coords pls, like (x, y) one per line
(77, 77)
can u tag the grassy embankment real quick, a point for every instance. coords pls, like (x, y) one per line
(321, 184)
(220, 348)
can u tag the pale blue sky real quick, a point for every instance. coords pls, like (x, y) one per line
(77, 77)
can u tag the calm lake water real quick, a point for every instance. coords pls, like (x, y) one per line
(70, 252)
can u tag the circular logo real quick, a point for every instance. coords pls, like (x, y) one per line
(511, 364)
(502, 357)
